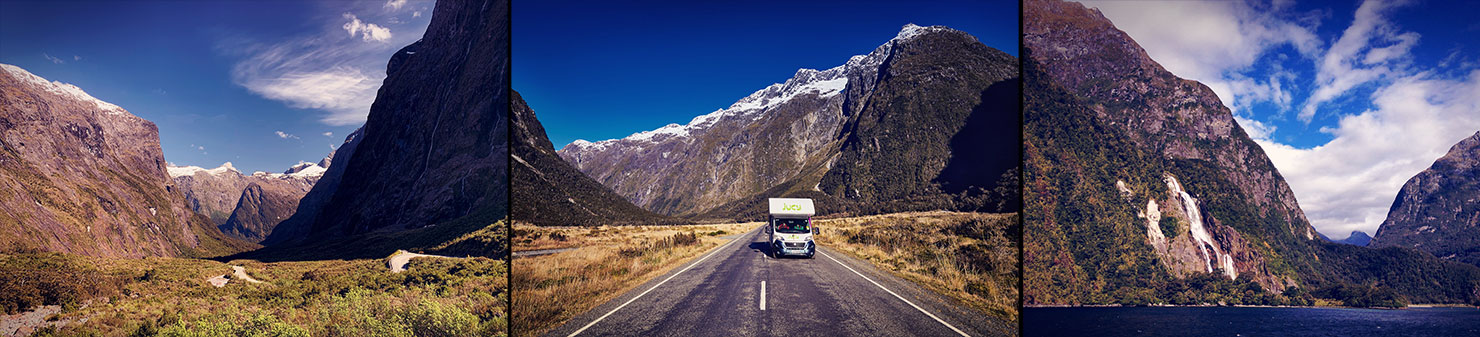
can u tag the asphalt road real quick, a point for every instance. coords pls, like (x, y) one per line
(736, 290)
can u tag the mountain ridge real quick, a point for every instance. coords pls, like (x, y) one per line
(790, 134)
(1438, 210)
(87, 177)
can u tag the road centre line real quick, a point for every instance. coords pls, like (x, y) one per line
(927, 313)
(655, 286)
(763, 295)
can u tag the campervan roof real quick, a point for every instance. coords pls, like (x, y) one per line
(792, 207)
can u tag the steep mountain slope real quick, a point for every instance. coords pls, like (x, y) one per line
(83, 176)
(548, 191)
(434, 148)
(895, 129)
(296, 226)
(1141, 188)
(1438, 210)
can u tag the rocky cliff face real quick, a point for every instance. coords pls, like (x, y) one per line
(885, 126)
(434, 147)
(1148, 160)
(1438, 210)
(83, 176)
(548, 191)
(1140, 188)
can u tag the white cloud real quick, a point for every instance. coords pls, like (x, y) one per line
(416, 14)
(1350, 182)
(53, 59)
(341, 89)
(395, 4)
(367, 31)
(285, 135)
(328, 134)
(76, 58)
(326, 70)
(1353, 60)
(1215, 42)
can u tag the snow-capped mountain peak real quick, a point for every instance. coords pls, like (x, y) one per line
(180, 171)
(59, 88)
(824, 83)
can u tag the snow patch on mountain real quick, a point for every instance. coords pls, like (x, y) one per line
(302, 170)
(59, 88)
(181, 171)
(823, 83)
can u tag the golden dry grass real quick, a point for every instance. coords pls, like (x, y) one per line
(549, 290)
(969, 257)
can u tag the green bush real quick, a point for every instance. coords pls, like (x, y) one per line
(435, 319)
(219, 326)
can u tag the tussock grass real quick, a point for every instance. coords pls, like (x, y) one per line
(969, 257)
(169, 296)
(608, 261)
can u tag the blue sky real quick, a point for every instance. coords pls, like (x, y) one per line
(604, 70)
(1350, 99)
(221, 79)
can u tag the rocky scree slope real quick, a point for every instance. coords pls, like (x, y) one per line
(83, 176)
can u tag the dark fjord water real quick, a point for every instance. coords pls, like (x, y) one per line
(1224, 321)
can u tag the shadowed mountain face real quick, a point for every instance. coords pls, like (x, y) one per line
(548, 191)
(897, 129)
(434, 148)
(83, 176)
(1140, 183)
(1358, 238)
(1438, 210)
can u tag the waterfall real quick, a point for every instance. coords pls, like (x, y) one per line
(1200, 234)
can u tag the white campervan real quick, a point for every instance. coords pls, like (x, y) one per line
(790, 225)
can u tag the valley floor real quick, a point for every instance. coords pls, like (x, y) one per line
(171, 296)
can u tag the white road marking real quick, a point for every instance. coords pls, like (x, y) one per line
(927, 313)
(655, 286)
(763, 295)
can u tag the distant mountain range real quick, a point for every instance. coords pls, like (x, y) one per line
(247, 207)
(1141, 188)
(1357, 238)
(84, 176)
(925, 121)
(1438, 210)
